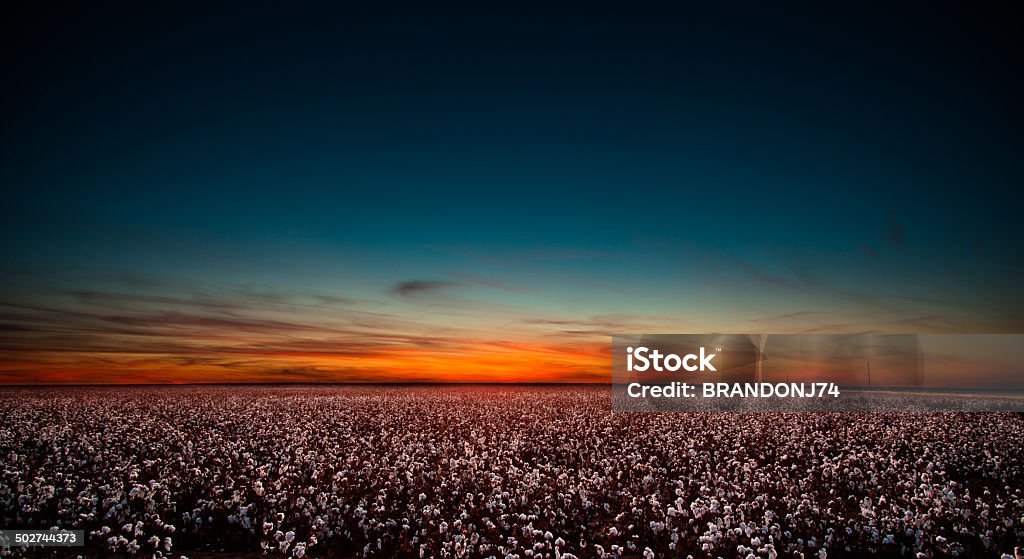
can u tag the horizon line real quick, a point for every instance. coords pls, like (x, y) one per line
(295, 383)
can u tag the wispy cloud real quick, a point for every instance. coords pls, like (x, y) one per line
(248, 335)
(415, 288)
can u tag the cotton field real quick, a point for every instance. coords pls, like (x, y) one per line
(495, 471)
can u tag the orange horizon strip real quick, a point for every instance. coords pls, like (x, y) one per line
(474, 362)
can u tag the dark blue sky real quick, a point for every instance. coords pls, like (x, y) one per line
(726, 168)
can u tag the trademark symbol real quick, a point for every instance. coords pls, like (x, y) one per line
(718, 349)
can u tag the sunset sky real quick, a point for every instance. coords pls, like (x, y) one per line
(416, 195)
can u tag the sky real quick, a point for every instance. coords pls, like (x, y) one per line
(269, 193)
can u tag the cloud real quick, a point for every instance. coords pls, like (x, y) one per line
(232, 335)
(334, 301)
(132, 300)
(415, 288)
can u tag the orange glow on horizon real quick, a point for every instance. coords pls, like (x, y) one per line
(501, 362)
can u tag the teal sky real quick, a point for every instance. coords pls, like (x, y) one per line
(541, 176)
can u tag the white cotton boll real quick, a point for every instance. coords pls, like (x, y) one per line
(289, 536)
(559, 542)
(648, 553)
(822, 554)
(613, 531)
